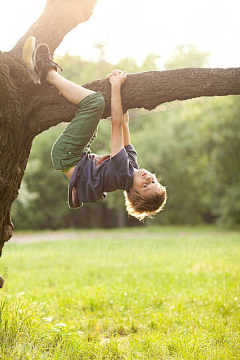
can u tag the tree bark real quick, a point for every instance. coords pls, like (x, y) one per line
(17, 103)
(15, 140)
(59, 17)
(147, 89)
(27, 108)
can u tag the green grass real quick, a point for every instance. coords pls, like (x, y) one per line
(146, 293)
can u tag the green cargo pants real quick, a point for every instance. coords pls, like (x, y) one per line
(76, 139)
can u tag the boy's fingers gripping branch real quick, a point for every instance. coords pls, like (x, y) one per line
(117, 77)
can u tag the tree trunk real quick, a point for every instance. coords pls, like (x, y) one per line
(16, 140)
(121, 218)
(18, 104)
(58, 18)
(27, 108)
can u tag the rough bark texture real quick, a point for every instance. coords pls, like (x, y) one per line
(27, 108)
(17, 106)
(15, 139)
(147, 89)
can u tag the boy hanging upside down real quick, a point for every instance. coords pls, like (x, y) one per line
(92, 176)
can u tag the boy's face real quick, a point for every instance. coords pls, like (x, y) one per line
(145, 183)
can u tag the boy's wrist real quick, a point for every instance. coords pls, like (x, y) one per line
(116, 86)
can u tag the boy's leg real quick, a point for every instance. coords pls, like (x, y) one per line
(71, 91)
(70, 146)
(81, 132)
(76, 139)
(46, 69)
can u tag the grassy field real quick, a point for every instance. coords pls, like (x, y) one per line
(146, 293)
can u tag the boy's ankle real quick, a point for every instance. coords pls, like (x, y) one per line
(50, 75)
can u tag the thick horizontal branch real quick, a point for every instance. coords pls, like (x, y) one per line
(147, 89)
(59, 17)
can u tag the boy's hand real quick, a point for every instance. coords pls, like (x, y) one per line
(117, 77)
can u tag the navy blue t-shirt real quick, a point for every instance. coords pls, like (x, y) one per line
(92, 179)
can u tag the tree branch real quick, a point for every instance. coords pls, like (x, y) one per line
(59, 17)
(147, 89)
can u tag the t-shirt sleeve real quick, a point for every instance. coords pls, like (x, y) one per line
(121, 170)
(132, 155)
(119, 159)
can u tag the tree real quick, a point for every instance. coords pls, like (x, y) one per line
(27, 108)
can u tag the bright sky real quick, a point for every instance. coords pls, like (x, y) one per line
(134, 28)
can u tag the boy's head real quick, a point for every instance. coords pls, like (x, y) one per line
(146, 197)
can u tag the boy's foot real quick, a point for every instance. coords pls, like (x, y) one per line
(43, 62)
(28, 50)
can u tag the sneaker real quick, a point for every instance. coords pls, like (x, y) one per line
(27, 52)
(43, 62)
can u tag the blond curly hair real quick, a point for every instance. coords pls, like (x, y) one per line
(142, 207)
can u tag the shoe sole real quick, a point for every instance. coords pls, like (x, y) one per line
(28, 51)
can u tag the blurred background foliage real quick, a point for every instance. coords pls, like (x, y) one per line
(193, 146)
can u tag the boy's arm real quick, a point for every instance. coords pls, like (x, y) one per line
(116, 111)
(126, 132)
(116, 117)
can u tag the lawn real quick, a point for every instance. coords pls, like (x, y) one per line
(145, 293)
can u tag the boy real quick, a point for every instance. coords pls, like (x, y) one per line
(92, 176)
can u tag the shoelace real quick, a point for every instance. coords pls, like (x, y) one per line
(57, 65)
(49, 61)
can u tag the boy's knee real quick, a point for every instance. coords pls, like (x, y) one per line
(100, 102)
